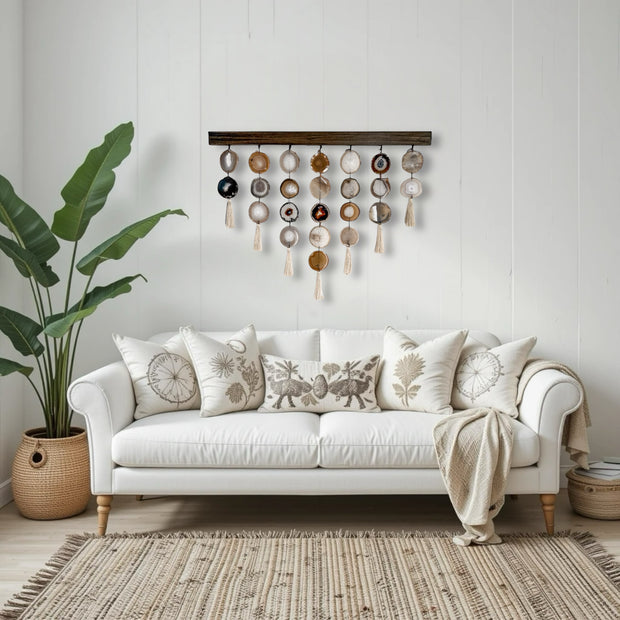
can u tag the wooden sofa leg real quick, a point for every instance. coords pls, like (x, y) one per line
(103, 510)
(548, 505)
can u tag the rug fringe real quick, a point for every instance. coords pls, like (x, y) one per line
(595, 551)
(16, 605)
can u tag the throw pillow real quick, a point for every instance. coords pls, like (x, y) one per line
(295, 385)
(162, 375)
(229, 373)
(489, 377)
(418, 377)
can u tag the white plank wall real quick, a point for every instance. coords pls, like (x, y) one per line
(517, 224)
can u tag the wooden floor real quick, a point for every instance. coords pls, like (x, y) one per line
(26, 545)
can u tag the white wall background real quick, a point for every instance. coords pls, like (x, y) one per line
(518, 223)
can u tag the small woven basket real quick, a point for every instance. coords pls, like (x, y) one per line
(594, 498)
(51, 477)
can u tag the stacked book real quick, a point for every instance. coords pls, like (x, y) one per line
(607, 469)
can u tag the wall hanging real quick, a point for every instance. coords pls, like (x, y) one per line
(319, 236)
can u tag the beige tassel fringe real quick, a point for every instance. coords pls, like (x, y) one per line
(318, 287)
(288, 266)
(347, 261)
(379, 248)
(258, 242)
(230, 218)
(409, 216)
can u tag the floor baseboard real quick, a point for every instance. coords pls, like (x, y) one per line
(6, 495)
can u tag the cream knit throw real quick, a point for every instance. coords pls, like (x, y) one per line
(574, 434)
(474, 450)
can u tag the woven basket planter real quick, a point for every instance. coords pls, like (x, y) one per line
(594, 498)
(51, 477)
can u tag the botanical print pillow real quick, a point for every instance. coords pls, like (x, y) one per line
(162, 375)
(489, 377)
(418, 377)
(294, 385)
(229, 373)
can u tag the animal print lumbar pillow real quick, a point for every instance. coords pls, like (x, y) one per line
(418, 377)
(489, 377)
(229, 373)
(162, 375)
(294, 385)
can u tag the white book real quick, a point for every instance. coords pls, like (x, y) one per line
(600, 474)
(605, 465)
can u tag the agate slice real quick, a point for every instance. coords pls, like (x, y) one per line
(350, 161)
(259, 162)
(411, 188)
(319, 237)
(259, 187)
(289, 236)
(350, 188)
(320, 187)
(228, 160)
(258, 212)
(380, 163)
(349, 212)
(412, 161)
(289, 161)
(380, 213)
(319, 162)
(380, 188)
(289, 212)
(349, 236)
(318, 260)
(319, 212)
(289, 188)
(227, 187)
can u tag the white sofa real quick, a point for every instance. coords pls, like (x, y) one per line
(300, 453)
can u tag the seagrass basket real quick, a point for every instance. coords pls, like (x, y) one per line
(51, 477)
(594, 498)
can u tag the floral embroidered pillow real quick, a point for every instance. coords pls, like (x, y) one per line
(489, 377)
(418, 377)
(296, 385)
(229, 373)
(162, 375)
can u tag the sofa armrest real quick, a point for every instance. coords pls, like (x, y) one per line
(106, 399)
(549, 397)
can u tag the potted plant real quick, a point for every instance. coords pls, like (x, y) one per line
(51, 469)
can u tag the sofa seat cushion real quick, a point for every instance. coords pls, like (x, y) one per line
(240, 439)
(398, 439)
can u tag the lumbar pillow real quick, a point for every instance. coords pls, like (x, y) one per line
(229, 373)
(295, 385)
(418, 377)
(489, 377)
(162, 375)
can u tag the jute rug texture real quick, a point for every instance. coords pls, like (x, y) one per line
(327, 576)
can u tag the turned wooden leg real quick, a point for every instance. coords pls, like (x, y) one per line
(548, 505)
(103, 510)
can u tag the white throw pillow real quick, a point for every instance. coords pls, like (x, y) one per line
(162, 375)
(489, 377)
(304, 385)
(229, 373)
(418, 377)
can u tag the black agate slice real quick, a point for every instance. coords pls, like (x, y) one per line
(227, 187)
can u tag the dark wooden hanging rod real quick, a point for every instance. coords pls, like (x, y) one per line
(376, 138)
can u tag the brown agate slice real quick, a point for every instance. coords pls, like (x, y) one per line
(319, 162)
(380, 213)
(289, 188)
(350, 188)
(259, 162)
(349, 211)
(412, 161)
(318, 260)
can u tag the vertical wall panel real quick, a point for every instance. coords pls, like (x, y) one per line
(12, 285)
(168, 152)
(545, 175)
(486, 165)
(599, 218)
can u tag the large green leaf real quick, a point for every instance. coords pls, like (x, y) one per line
(22, 331)
(27, 263)
(59, 324)
(87, 190)
(26, 224)
(117, 246)
(8, 367)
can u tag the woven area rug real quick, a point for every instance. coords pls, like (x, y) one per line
(327, 576)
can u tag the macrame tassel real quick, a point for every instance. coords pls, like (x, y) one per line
(288, 266)
(409, 216)
(347, 261)
(258, 242)
(379, 249)
(230, 218)
(318, 287)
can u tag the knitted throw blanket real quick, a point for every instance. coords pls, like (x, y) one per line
(574, 434)
(474, 450)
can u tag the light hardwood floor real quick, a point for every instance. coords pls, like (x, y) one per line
(26, 545)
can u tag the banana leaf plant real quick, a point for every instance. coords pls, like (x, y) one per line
(50, 335)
